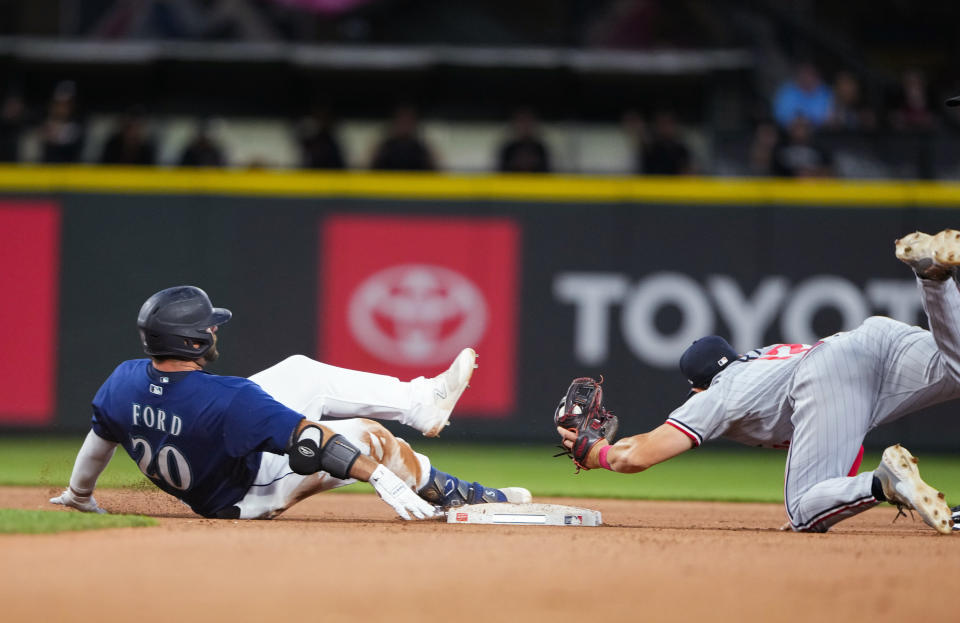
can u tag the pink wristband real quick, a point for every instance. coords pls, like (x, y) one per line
(602, 458)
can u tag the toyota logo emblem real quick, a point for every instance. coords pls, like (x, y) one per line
(417, 314)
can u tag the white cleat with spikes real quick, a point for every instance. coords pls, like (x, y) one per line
(903, 487)
(931, 257)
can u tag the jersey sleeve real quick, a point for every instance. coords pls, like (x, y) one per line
(702, 417)
(256, 422)
(99, 422)
(100, 426)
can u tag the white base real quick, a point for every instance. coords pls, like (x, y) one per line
(524, 515)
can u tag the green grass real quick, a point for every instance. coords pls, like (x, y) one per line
(748, 475)
(16, 521)
(718, 474)
(28, 461)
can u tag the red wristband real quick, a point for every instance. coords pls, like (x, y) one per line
(602, 458)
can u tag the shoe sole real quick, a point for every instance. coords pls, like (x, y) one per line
(452, 398)
(946, 247)
(927, 501)
(914, 247)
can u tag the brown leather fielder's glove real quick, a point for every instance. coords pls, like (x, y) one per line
(581, 410)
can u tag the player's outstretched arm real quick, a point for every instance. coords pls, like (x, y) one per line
(92, 459)
(633, 454)
(314, 447)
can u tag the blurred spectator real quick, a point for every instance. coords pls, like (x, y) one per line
(848, 112)
(319, 147)
(129, 143)
(62, 135)
(636, 129)
(203, 150)
(181, 19)
(258, 163)
(912, 112)
(799, 156)
(525, 152)
(663, 152)
(766, 136)
(805, 95)
(402, 149)
(13, 120)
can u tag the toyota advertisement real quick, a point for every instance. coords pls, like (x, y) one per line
(403, 295)
(30, 257)
(544, 292)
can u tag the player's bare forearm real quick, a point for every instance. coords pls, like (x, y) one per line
(640, 452)
(363, 468)
(637, 453)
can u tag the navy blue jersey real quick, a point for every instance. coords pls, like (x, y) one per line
(197, 436)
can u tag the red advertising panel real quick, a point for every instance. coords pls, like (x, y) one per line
(403, 295)
(30, 257)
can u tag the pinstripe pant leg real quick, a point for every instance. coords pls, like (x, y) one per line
(833, 395)
(925, 369)
(941, 300)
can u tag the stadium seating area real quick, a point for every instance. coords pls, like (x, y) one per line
(590, 148)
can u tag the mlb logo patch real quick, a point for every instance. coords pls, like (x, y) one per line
(156, 389)
(402, 295)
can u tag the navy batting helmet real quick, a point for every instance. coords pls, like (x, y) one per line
(174, 320)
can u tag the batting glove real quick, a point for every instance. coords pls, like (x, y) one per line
(84, 503)
(397, 494)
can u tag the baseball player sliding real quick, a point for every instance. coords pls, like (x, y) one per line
(250, 448)
(819, 401)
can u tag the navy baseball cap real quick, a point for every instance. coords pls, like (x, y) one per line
(705, 358)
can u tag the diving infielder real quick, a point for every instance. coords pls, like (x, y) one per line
(250, 448)
(820, 401)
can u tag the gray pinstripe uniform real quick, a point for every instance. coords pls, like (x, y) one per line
(821, 402)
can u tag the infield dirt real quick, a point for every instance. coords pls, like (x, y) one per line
(344, 557)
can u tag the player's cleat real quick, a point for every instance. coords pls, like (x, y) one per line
(931, 257)
(448, 492)
(903, 487)
(956, 517)
(444, 392)
(915, 251)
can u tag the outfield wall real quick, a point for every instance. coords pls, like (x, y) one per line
(548, 277)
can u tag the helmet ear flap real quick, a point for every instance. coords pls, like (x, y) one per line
(201, 346)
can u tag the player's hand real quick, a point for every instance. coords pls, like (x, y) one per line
(397, 494)
(568, 437)
(586, 421)
(592, 460)
(84, 503)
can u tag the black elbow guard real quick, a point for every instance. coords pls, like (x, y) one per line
(338, 457)
(307, 454)
(304, 452)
